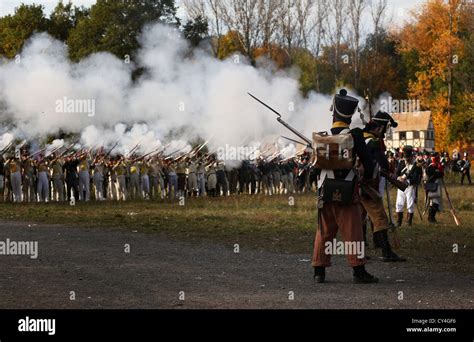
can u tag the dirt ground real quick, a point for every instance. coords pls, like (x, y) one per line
(163, 273)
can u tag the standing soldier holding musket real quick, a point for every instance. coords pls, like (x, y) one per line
(58, 179)
(72, 178)
(43, 178)
(409, 172)
(374, 133)
(120, 171)
(145, 179)
(338, 204)
(181, 174)
(433, 186)
(29, 191)
(84, 178)
(14, 168)
(465, 168)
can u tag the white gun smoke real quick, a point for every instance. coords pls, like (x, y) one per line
(179, 98)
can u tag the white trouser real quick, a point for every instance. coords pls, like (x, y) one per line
(121, 188)
(99, 186)
(58, 188)
(145, 186)
(409, 196)
(284, 182)
(84, 185)
(43, 186)
(15, 179)
(192, 182)
(201, 179)
(134, 186)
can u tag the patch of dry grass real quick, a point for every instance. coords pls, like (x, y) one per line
(259, 222)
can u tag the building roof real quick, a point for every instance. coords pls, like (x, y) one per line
(412, 121)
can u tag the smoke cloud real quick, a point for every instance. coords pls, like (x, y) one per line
(179, 98)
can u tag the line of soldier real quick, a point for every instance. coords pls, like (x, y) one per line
(80, 177)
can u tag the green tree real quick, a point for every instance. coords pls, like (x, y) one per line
(382, 68)
(115, 26)
(64, 18)
(307, 64)
(17, 28)
(196, 30)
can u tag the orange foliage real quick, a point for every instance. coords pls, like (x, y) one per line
(433, 36)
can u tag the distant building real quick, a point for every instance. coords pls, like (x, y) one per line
(415, 129)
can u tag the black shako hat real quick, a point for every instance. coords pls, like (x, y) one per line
(344, 106)
(384, 119)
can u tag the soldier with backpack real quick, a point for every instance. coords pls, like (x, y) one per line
(338, 200)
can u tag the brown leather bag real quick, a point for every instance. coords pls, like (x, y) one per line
(333, 152)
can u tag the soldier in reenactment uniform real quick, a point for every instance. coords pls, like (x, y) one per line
(374, 133)
(338, 200)
(211, 180)
(433, 186)
(465, 168)
(58, 179)
(120, 171)
(145, 179)
(29, 191)
(134, 184)
(43, 176)
(410, 172)
(14, 167)
(84, 179)
(72, 178)
(192, 178)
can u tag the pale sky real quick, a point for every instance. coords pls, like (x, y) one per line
(398, 8)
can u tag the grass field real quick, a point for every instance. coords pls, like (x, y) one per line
(260, 222)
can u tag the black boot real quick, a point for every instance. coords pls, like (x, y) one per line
(376, 239)
(431, 215)
(435, 210)
(388, 255)
(410, 219)
(320, 274)
(400, 219)
(361, 276)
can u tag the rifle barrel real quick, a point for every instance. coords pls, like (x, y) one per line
(280, 120)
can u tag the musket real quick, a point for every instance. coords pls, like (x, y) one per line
(171, 154)
(7, 147)
(133, 149)
(396, 240)
(144, 156)
(113, 147)
(293, 140)
(367, 96)
(452, 211)
(37, 152)
(395, 182)
(280, 120)
(202, 146)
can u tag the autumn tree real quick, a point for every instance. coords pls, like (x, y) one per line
(434, 37)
